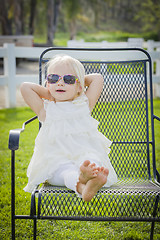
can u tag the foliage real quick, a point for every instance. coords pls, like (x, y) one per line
(12, 119)
(149, 15)
(30, 17)
(73, 8)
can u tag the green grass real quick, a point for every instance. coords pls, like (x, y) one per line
(13, 118)
(61, 38)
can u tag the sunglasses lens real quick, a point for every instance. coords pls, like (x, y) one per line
(69, 79)
(52, 78)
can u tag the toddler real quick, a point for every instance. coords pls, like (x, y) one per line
(69, 150)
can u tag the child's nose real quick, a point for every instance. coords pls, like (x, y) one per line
(60, 82)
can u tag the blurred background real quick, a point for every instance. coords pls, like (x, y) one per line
(54, 22)
(38, 24)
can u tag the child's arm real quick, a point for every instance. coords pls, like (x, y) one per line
(95, 86)
(33, 94)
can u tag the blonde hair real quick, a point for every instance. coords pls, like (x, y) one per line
(72, 63)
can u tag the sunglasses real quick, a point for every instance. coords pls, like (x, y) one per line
(68, 79)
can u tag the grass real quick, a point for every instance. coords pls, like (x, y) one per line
(13, 118)
(61, 38)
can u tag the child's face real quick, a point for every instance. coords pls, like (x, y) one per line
(60, 90)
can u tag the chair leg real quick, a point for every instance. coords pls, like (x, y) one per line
(13, 228)
(154, 214)
(152, 230)
(35, 229)
(13, 193)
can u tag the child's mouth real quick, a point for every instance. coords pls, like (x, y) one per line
(60, 90)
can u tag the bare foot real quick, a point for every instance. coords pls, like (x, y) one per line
(87, 171)
(95, 184)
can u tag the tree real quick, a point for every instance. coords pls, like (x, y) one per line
(149, 14)
(52, 16)
(18, 17)
(73, 8)
(96, 6)
(6, 16)
(33, 4)
(56, 15)
(50, 7)
(11, 12)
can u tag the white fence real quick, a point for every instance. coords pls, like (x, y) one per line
(18, 40)
(10, 80)
(150, 45)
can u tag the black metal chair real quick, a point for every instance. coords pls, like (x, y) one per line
(123, 111)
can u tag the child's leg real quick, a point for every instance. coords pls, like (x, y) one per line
(66, 175)
(71, 179)
(85, 183)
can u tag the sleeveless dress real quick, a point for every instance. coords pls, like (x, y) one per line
(68, 135)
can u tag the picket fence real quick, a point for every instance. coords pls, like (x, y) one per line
(9, 53)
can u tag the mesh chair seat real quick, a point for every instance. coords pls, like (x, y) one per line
(128, 199)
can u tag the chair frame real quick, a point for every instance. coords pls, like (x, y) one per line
(14, 137)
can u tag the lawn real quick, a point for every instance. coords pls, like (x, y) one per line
(13, 118)
(61, 38)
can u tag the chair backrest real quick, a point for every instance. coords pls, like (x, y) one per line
(122, 109)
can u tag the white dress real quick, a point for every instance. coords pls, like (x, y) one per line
(68, 135)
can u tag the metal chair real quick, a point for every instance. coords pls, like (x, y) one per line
(123, 111)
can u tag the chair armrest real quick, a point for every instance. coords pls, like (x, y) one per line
(14, 139)
(14, 135)
(156, 117)
(157, 173)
